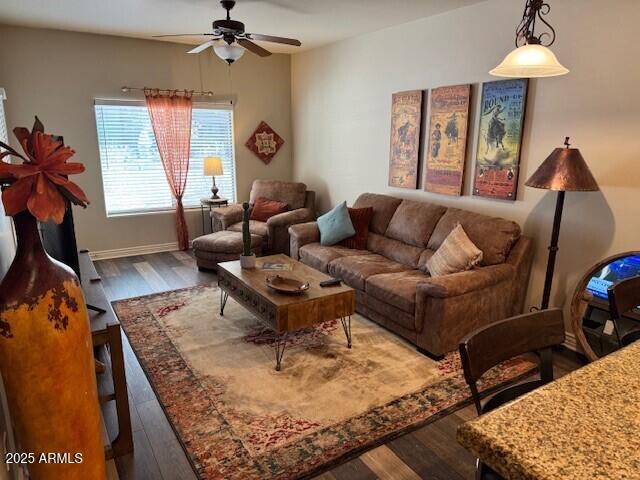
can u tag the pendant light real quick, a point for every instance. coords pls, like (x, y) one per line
(532, 57)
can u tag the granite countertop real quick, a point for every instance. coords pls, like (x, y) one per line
(585, 425)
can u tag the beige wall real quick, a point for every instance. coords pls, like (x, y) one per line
(341, 97)
(57, 75)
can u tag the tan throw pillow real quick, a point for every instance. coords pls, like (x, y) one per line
(456, 254)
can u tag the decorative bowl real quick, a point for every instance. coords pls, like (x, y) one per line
(283, 284)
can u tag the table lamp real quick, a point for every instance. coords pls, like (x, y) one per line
(213, 167)
(563, 171)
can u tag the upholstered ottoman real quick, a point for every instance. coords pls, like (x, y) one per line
(221, 247)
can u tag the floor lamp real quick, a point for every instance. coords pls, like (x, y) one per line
(563, 171)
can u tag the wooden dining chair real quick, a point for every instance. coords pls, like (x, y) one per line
(624, 296)
(535, 332)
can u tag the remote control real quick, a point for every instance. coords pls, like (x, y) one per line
(330, 283)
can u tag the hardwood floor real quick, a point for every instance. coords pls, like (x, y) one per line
(429, 452)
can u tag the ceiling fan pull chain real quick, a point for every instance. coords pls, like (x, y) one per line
(230, 84)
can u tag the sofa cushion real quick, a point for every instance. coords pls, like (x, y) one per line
(256, 227)
(414, 222)
(264, 209)
(394, 250)
(424, 258)
(361, 219)
(396, 320)
(318, 256)
(354, 270)
(335, 225)
(291, 193)
(397, 289)
(494, 236)
(456, 254)
(383, 206)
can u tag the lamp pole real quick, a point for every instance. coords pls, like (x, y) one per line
(553, 250)
(214, 189)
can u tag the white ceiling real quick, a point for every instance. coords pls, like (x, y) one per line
(313, 22)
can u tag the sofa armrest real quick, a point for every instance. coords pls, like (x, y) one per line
(464, 282)
(521, 257)
(450, 307)
(293, 217)
(279, 228)
(301, 235)
(224, 217)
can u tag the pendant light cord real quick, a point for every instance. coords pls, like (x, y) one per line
(200, 69)
(230, 86)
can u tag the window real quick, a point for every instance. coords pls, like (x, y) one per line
(132, 175)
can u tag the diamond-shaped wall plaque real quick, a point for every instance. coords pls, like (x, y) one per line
(264, 142)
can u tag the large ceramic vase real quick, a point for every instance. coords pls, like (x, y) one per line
(46, 361)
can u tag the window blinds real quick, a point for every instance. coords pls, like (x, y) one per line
(132, 175)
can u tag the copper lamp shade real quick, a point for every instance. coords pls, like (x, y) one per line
(564, 171)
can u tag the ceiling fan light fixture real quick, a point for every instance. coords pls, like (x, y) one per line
(228, 53)
(530, 61)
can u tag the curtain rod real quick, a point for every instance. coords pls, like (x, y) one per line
(208, 93)
(199, 93)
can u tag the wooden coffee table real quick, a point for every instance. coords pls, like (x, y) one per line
(281, 312)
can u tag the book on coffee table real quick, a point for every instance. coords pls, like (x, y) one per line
(275, 266)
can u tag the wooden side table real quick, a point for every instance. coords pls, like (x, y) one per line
(105, 331)
(211, 203)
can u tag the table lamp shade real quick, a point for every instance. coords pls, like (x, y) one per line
(213, 166)
(565, 171)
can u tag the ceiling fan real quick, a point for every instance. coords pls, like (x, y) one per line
(229, 37)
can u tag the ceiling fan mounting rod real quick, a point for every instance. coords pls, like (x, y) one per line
(228, 29)
(228, 5)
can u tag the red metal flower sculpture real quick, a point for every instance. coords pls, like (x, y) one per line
(40, 184)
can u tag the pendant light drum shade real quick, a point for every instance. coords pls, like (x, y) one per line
(530, 61)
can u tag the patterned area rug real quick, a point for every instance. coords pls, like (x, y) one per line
(240, 419)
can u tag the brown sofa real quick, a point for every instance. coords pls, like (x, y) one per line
(275, 231)
(393, 287)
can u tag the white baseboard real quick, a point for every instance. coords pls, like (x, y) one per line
(570, 341)
(130, 251)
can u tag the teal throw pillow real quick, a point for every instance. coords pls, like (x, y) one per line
(335, 225)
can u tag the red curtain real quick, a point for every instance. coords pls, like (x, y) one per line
(171, 120)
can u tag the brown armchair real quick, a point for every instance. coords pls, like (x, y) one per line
(275, 231)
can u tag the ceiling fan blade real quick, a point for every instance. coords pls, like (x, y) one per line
(202, 47)
(270, 38)
(185, 35)
(252, 47)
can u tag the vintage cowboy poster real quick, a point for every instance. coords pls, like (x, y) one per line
(444, 168)
(499, 138)
(406, 119)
